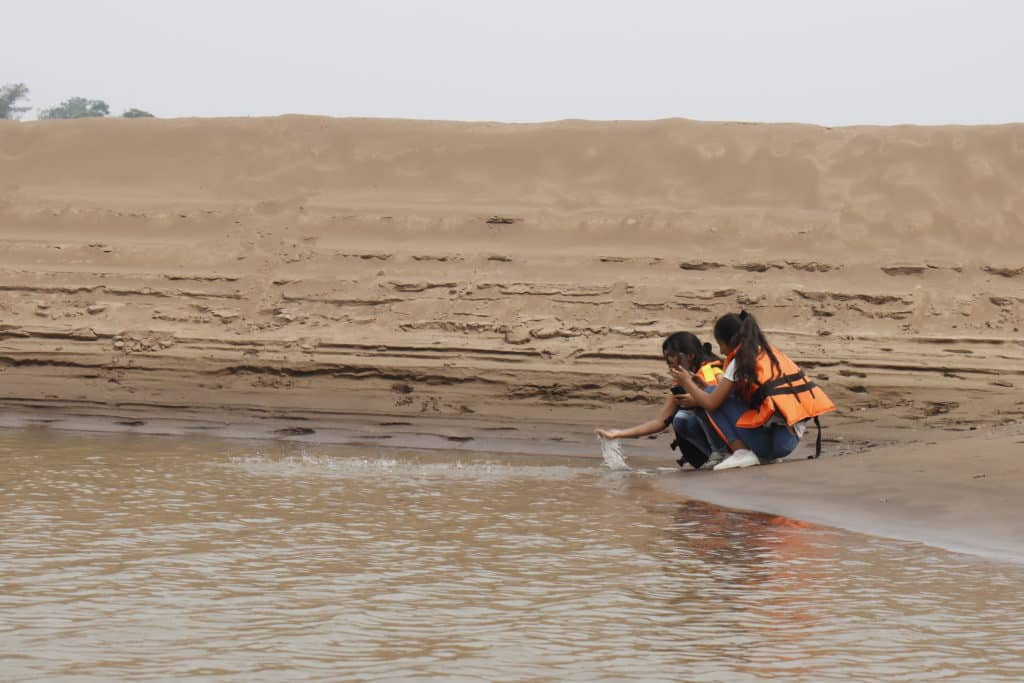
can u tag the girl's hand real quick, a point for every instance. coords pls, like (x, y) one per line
(685, 401)
(609, 434)
(679, 375)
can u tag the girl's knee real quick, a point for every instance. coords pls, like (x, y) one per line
(685, 422)
(681, 418)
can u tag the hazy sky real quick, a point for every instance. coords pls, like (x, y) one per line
(818, 61)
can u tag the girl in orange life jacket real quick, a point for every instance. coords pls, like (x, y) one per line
(698, 442)
(763, 401)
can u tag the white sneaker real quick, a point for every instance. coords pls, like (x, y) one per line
(739, 458)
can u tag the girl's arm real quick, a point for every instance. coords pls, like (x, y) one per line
(649, 427)
(701, 398)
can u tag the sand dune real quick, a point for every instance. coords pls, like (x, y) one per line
(312, 267)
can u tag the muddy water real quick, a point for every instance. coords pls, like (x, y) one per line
(147, 558)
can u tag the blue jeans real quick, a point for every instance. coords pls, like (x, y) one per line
(696, 437)
(769, 443)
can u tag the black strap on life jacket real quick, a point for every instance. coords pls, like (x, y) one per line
(775, 388)
(809, 386)
(785, 379)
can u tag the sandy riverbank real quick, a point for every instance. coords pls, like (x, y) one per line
(963, 494)
(393, 274)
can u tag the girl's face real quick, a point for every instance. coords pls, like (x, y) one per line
(678, 360)
(724, 348)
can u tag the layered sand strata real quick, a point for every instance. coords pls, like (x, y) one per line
(494, 276)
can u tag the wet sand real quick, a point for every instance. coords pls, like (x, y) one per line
(961, 494)
(503, 286)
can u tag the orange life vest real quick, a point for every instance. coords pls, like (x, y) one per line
(710, 372)
(785, 391)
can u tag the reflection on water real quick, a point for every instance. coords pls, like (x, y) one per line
(131, 558)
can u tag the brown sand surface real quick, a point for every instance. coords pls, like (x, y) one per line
(505, 281)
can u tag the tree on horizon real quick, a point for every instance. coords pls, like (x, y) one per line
(134, 113)
(10, 95)
(76, 108)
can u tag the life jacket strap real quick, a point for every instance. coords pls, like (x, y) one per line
(817, 443)
(785, 379)
(775, 388)
(809, 386)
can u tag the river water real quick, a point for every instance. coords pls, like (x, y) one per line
(132, 558)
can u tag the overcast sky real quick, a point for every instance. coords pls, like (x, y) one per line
(817, 61)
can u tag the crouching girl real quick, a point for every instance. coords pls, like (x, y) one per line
(763, 401)
(699, 444)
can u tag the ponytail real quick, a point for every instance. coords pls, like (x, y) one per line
(744, 334)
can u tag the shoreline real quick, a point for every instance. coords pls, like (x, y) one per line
(925, 492)
(958, 494)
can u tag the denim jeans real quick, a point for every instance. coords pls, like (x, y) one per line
(695, 436)
(769, 443)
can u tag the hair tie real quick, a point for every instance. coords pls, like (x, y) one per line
(744, 315)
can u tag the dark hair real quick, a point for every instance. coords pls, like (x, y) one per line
(687, 344)
(744, 334)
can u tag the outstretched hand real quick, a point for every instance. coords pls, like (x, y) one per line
(607, 433)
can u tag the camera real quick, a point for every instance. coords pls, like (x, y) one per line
(677, 390)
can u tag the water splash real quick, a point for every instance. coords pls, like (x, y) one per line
(611, 451)
(379, 466)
